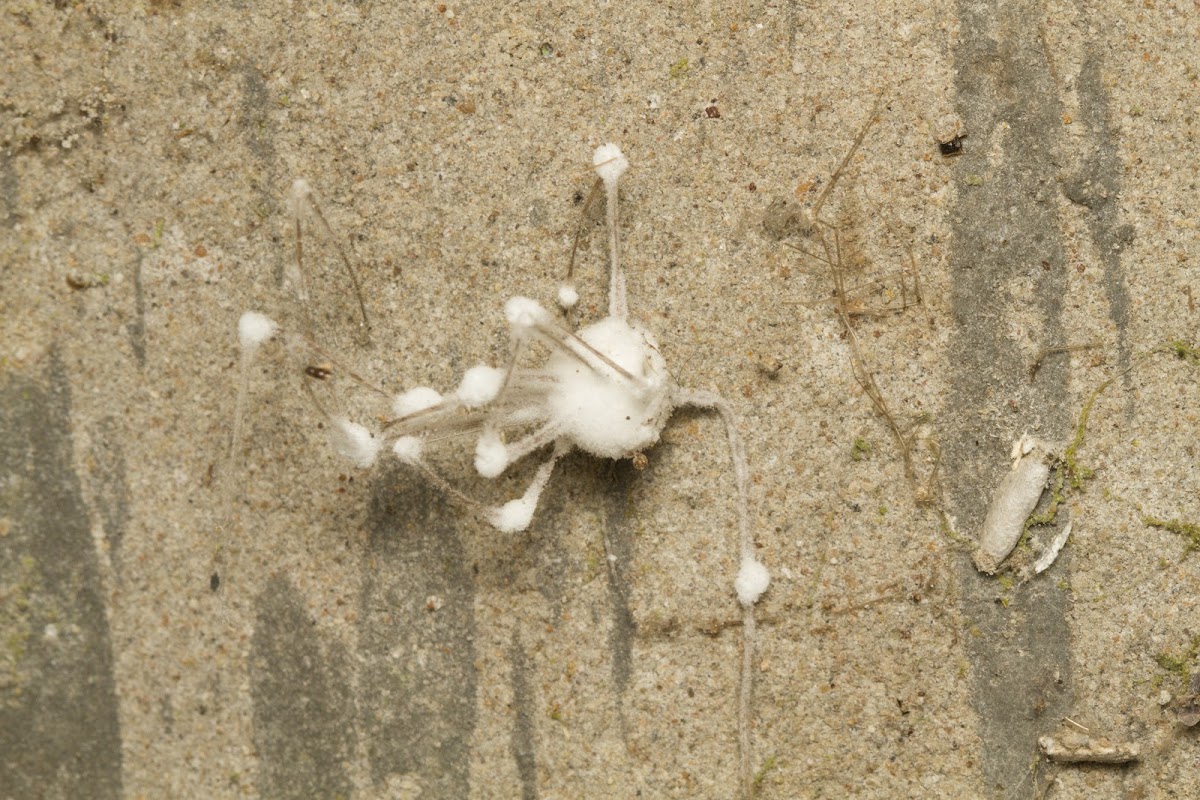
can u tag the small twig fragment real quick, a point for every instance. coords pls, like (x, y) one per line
(1073, 748)
(1050, 351)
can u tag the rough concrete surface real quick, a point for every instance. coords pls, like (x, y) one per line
(176, 622)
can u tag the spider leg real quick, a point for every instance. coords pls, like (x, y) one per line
(302, 203)
(712, 401)
(618, 302)
(515, 515)
(493, 456)
(527, 318)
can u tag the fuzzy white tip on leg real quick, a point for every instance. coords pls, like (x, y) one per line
(414, 400)
(301, 191)
(408, 449)
(491, 454)
(752, 580)
(514, 516)
(480, 385)
(567, 296)
(354, 442)
(254, 329)
(610, 163)
(523, 313)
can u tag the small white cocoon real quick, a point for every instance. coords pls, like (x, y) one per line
(610, 163)
(354, 442)
(514, 516)
(254, 329)
(567, 296)
(408, 449)
(1014, 500)
(491, 455)
(480, 385)
(752, 580)
(414, 400)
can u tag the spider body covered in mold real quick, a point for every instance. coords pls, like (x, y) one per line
(604, 390)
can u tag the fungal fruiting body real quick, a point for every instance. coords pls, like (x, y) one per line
(1014, 501)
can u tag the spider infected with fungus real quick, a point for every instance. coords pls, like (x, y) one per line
(604, 389)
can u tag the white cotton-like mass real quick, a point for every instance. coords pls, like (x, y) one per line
(414, 400)
(514, 516)
(610, 163)
(254, 329)
(567, 296)
(491, 454)
(354, 442)
(480, 385)
(408, 449)
(752, 580)
(522, 312)
(603, 414)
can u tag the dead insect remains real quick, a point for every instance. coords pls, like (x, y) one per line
(604, 389)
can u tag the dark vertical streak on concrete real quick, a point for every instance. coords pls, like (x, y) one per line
(302, 720)
(1005, 230)
(10, 192)
(59, 732)
(110, 490)
(256, 125)
(523, 749)
(1096, 186)
(618, 540)
(418, 680)
(137, 328)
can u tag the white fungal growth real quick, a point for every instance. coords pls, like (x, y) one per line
(354, 442)
(1014, 501)
(604, 389)
(568, 297)
(491, 454)
(752, 580)
(523, 313)
(415, 400)
(254, 329)
(480, 385)
(408, 449)
(610, 164)
(608, 416)
(301, 191)
(514, 516)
